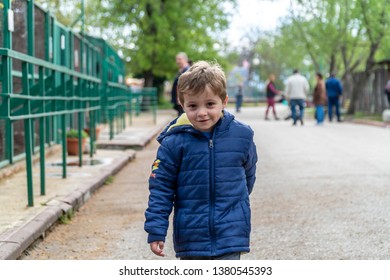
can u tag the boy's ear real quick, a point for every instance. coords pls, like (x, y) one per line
(180, 103)
(224, 103)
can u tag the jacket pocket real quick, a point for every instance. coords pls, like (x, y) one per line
(247, 212)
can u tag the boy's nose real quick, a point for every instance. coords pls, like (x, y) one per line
(202, 112)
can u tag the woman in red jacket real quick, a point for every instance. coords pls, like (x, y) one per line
(271, 93)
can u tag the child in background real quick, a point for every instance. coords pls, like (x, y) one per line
(205, 170)
(239, 98)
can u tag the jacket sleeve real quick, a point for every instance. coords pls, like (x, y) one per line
(307, 87)
(287, 89)
(272, 88)
(250, 166)
(162, 187)
(339, 88)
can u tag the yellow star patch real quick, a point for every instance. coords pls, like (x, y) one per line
(155, 164)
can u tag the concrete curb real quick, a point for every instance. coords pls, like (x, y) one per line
(125, 144)
(19, 239)
(370, 123)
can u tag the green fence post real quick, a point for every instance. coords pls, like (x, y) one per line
(93, 121)
(123, 116)
(48, 45)
(139, 102)
(92, 131)
(31, 52)
(110, 116)
(63, 127)
(120, 118)
(7, 88)
(80, 117)
(42, 131)
(7, 81)
(117, 118)
(63, 136)
(82, 91)
(80, 138)
(130, 104)
(30, 33)
(27, 134)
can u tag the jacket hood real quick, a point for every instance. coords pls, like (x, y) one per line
(182, 124)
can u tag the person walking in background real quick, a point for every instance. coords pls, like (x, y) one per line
(387, 91)
(271, 93)
(333, 90)
(319, 98)
(183, 65)
(239, 98)
(297, 88)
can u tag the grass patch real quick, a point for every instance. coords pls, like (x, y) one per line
(369, 117)
(109, 180)
(67, 217)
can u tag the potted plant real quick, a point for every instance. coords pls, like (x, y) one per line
(72, 141)
(97, 131)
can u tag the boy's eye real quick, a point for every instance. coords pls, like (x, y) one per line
(191, 106)
(210, 104)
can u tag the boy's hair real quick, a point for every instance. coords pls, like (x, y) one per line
(200, 75)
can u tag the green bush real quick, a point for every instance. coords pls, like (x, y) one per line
(74, 133)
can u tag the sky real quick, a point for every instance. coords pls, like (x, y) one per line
(256, 13)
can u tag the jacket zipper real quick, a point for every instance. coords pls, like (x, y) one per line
(212, 196)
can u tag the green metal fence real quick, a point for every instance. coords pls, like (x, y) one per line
(53, 79)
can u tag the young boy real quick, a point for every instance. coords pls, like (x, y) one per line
(205, 169)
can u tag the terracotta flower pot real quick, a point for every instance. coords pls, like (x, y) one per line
(72, 145)
(98, 129)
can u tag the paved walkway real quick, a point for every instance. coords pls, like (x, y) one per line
(21, 225)
(321, 193)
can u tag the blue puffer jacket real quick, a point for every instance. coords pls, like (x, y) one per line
(208, 181)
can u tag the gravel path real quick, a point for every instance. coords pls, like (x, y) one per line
(321, 193)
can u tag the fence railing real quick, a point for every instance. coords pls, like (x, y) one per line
(73, 84)
(75, 93)
(41, 98)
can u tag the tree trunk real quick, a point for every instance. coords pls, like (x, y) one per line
(348, 86)
(149, 78)
(359, 84)
(332, 64)
(362, 81)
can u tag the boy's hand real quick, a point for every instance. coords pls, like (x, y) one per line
(157, 247)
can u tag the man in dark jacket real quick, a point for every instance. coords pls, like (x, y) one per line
(333, 90)
(183, 65)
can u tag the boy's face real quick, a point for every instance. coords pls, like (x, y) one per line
(204, 109)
